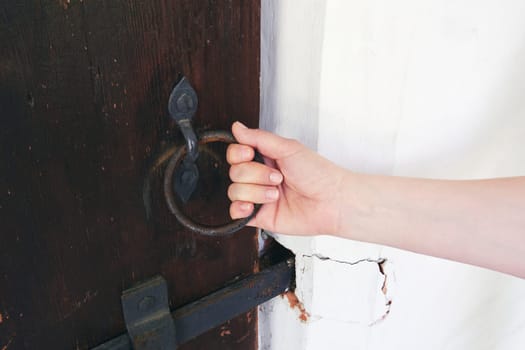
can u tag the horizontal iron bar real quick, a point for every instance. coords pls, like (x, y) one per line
(216, 308)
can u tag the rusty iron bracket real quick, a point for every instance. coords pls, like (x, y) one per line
(196, 318)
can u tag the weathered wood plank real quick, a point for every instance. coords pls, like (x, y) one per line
(83, 96)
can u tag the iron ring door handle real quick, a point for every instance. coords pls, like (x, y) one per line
(175, 160)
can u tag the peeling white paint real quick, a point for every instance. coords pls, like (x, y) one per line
(337, 298)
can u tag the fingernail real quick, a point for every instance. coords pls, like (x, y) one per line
(241, 125)
(276, 178)
(272, 194)
(246, 206)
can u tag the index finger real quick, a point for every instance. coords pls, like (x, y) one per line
(237, 153)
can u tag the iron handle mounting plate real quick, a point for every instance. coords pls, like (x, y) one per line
(175, 161)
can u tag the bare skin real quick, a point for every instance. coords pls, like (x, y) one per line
(479, 222)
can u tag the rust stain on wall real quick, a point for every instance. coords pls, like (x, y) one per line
(295, 303)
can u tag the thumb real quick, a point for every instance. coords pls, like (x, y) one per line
(268, 144)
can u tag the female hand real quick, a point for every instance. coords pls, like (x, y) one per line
(478, 222)
(300, 190)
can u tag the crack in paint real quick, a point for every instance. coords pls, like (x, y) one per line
(384, 290)
(326, 258)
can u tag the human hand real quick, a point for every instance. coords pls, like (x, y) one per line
(300, 190)
(304, 193)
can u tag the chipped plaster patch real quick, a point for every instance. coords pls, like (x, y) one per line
(356, 292)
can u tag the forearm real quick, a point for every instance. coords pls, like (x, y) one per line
(480, 222)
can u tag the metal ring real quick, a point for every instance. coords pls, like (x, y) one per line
(175, 160)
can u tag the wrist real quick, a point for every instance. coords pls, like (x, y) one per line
(345, 199)
(355, 207)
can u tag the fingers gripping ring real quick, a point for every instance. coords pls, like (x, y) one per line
(174, 162)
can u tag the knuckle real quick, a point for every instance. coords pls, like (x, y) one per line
(293, 144)
(232, 211)
(238, 172)
(232, 172)
(231, 154)
(248, 153)
(231, 191)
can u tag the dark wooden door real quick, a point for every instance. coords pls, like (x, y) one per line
(84, 87)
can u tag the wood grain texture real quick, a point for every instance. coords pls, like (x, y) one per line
(83, 106)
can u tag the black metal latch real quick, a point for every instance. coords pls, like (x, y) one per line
(152, 326)
(147, 315)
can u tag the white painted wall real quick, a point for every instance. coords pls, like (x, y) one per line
(430, 88)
